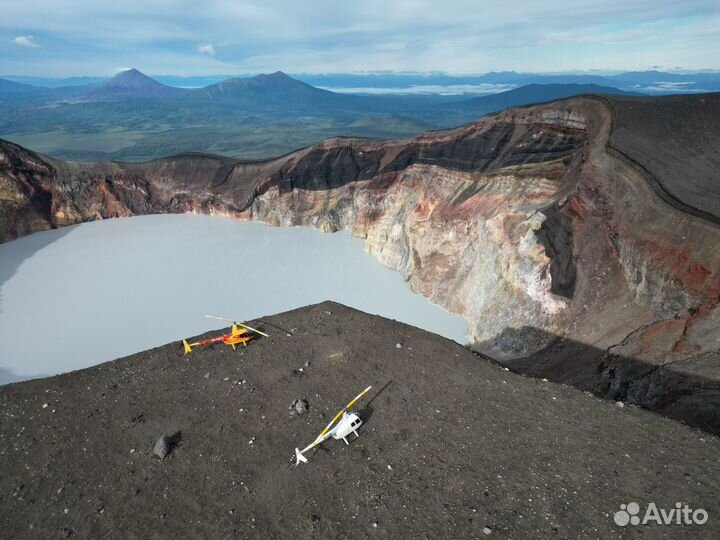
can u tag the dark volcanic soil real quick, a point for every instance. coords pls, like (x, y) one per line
(453, 446)
(674, 141)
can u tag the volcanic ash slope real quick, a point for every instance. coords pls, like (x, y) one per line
(452, 446)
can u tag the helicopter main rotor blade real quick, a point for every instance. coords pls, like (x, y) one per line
(253, 329)
(332, 422)
(238, 323)
(361, 394)
(219, 318)
(342, 412)
(320, 438)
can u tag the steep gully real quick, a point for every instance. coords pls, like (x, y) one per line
(539, 225)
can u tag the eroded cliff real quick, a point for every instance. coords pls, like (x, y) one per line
(556, 246)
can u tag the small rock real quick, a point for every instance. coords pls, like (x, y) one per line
(487, 530)
(67, 510)
(328, 313)
(299, 406)
(375, 525)
(207, 375)
(398, 345)
(45, 405)
(162, 447)
(389, 467)
(620, 404)
(251, 440)
(307, 364)
(226, 379)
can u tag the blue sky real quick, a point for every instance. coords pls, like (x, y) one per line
(59, 38)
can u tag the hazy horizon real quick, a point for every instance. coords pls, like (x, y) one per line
(371, 73)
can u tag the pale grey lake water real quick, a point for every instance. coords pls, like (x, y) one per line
(78, 296)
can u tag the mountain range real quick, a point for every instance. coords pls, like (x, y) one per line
(280, 89)
(651, 81)
(12, 87)
(134, 117)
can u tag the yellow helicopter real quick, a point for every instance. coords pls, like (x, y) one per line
(241, 333)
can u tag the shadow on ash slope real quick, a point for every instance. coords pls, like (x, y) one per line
(580, 238)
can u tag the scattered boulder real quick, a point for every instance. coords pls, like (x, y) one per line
(162, 447)
(166, 444)
(299, 406)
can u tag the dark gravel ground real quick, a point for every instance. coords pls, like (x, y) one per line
(453, 446)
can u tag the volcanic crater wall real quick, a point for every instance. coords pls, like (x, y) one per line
(561, 254)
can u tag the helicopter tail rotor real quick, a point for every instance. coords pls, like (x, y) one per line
(299, 457)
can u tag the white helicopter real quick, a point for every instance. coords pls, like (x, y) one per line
(339, 427)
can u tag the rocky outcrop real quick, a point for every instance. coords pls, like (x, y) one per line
(530, 223)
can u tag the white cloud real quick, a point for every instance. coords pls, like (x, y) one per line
(207, 49)
(457, 36)
(26, 41)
